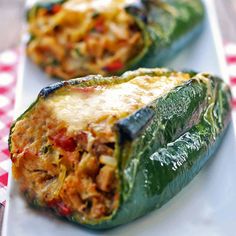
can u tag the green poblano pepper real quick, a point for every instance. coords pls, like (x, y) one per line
(160, 147)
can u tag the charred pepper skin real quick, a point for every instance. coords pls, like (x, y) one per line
(161, 147)
(167, 26)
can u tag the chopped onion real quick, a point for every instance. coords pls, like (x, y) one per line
(108, 160)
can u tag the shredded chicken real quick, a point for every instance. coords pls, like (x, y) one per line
(69, 42)
(76, 173)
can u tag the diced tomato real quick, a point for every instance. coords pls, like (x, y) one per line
(29, 154)
(13, 159)
(52, 203)
(114, 66)
(64, 142)
(56, 8)
(63, 210)
(99, 25)
(122, 42)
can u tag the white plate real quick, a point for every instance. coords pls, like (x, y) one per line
(205, 207)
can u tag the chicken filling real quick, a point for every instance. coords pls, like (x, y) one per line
(63, 150)
(83, 37)
(71, 173)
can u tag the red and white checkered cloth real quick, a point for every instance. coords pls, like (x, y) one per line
(8, 77)
(230, 52)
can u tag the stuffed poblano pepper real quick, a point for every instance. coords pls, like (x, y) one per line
(102, 151)
(80, 37)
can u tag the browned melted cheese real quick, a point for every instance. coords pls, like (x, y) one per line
(83, 106)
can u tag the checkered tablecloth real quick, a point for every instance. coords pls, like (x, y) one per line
(230, 52)
(8, 78)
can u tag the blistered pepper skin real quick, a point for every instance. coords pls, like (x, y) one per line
(161, 147)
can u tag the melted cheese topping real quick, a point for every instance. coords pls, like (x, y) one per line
(99, 5)
(82, 106)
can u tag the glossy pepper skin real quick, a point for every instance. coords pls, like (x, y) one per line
(162, 146)
(167, 26)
